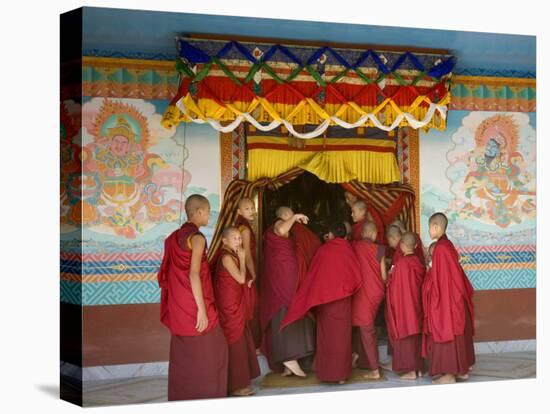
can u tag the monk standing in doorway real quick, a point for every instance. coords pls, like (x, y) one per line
(246, 212)
(449, 311)
(370, 214)
(330, 282)
(359, 216)
(230, 285)
(404, 310)
(198, 349)
(284, 348)
(367, 300)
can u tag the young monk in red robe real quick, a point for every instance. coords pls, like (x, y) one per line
(332, 279)
(393, 235)
(359, 216)
(404, 310)
(198, 349)
(368, 298)
(371, 215)
(230, 285)
(284, 348)
(419, 250)
(246, 212)
(449, 311)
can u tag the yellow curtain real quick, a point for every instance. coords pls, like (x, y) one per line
(334, 160)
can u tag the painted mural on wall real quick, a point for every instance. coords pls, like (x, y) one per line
(123, 191)
(135, 173)
(482, 173)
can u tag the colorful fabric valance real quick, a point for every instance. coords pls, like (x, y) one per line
(334, 160)
(224, 83)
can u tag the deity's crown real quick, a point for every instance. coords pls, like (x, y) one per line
(122, 128)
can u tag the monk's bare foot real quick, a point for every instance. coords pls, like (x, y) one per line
(411, 375)
(354, 358)
(387, 366)
(462, 377)
(420, 374)
(286, 372)
(295, 368)
(243, 392)
(372, 374)
(445, 379)
(258, 352)
(341, 382)
(471, 368)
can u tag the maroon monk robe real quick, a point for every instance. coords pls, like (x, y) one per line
(190, 374)
(357, 229)
(230, 298)
(367, 300)
(448, 313)
(397, 254)
(333, 277)
(306, 243)
(404, 313)
(252, 299)
(279, 281)
(419, 251)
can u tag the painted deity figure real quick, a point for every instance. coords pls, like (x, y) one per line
(497, 178)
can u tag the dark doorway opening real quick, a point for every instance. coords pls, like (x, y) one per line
(322, 202)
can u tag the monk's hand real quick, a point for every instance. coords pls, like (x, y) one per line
(250, 283)
(240, 253)
(301, 218)
(202, 321)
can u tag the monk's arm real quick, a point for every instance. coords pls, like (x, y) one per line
(197, 246)
(282, 227)
(383, 270)
(248, 254)
(238, 273)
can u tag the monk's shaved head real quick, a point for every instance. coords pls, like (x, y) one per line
(399, 224)
(409, 240)
(393, 232)
(283, 210)
(360, 205)
(439, 219)
(243, 202)
(228, 231)
(369, 227)
(195, 202)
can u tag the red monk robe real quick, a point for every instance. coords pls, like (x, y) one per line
(404, 313)
(448, 313)
(279, 281)
(366, 302)
(252, 299)
(333, 277)
(231, 301)
(397, 254)
(357, 229)
(419, 250)
(306, 244)
(190, 374)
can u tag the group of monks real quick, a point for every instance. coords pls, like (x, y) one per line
(312, 306)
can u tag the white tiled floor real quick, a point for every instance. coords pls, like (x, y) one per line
(488, 367)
